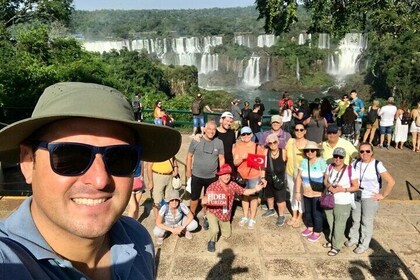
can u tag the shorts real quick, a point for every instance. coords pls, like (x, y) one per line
(252, 183)
(385, 129)
(197, 185)
(279, 195)
(372, 125)
(198, 121)
(414, 128)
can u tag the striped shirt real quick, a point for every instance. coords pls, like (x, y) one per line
(171, 220)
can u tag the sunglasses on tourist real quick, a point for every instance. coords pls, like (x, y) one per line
(272, 143)
(243, 134)
(331, 132)
(74, 159)
(338, 156)
(299, 129)
(365, 151)
(310, 151)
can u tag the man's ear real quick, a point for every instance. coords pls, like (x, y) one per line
(27, 161)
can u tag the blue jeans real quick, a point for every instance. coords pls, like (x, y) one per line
(198, 121)
(385, 129)
(313, 213)
(158, 121)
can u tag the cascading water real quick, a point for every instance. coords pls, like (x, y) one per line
(252, 72)
(297, 69)
(266, 40)
(346, 60)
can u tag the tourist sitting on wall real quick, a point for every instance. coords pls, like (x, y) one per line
(219, 200)
(174, 217)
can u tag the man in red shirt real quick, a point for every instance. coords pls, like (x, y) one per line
(219, 200)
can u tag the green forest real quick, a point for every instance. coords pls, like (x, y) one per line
(38, 47)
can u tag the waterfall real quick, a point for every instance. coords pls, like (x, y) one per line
(324, 41)
(297, 69)
(302, 39)
(243, 40)
(266, 40)
(252, 72)
(267, 70)
(346, 60)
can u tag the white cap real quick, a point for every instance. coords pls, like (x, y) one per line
(227, 115)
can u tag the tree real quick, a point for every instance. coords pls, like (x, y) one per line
(279, 15)
(24, 11)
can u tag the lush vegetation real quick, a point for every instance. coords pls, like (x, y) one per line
(392, 28)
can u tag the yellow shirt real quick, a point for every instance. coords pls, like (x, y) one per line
(162, 167)
(327, 153)
(290, 150)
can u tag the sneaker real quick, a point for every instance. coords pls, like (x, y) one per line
(306, 232)
(264, 207)
(211, 246)
(188, 235)
(269, 213)
(359, 250)
(314, 237)
(159, 241)
(280, 221)
(348, 243)
(205, 223)
(251, 224)
(243, 221)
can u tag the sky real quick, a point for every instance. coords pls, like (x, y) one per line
(158, 4)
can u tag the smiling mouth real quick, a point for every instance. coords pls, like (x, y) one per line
(88, 201)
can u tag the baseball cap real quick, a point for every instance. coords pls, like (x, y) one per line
(86, 100)
(225, 169)
(174, 194)
(276, 118)
(246, 129)
(339, 152)
(332, 128)
(227, 115)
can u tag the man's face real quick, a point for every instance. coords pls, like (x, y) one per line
(210, 130)
(84, 206)
(225, 178)
(333, 137)
(275, 126)
(226, 122)
(353, 95)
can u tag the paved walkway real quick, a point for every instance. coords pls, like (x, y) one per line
(270, 252)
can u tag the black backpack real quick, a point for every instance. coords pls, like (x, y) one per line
(405, 118)
(372, 115)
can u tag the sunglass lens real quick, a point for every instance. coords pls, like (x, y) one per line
(70, 160)
(363, 151)
(121, 160)
(337, 156)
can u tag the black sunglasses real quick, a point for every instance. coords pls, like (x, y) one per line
(245, 134)
(310, 150)
(299, 129)
(338, 156)
(330, 132)
(364, 151)
(74, 159)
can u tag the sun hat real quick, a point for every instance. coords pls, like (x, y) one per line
(339, 152)
(225, 169)
(174, 194)
(74, 99)
(227, 115)
(311, 145)
(276, 118)
(246, 129)
(333, 128)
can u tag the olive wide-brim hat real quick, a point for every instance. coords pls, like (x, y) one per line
(73, 99)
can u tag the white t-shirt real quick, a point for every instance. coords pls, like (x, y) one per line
(287, 115)
(368, 178)
(341, 198)
(387, 114)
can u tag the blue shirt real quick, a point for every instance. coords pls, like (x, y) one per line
(24, 253)
(358, 105)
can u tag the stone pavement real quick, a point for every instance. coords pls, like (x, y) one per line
(270, 252)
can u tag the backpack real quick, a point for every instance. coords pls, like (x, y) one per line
(372, 115)
(405, 118)
(378, 175)
(136, 104)
(196, 107)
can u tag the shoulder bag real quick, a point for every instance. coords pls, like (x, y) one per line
(327, 200)
(315, 186)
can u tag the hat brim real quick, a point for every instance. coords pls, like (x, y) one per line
(159, 143)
